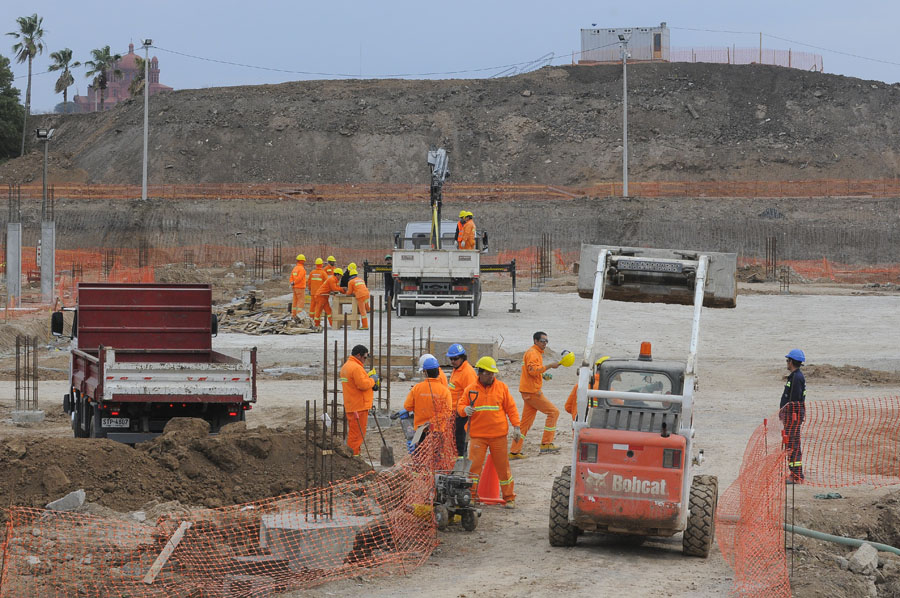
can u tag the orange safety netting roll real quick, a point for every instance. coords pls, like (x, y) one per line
(844, 443)
(375, 523)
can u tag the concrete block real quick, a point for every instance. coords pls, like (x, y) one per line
(864, 560)
(475, 349)
(30, 416)
(309, 543)
(69, 502)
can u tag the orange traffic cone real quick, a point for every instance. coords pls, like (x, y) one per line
(489, 485)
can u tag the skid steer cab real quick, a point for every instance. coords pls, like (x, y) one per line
(631, 470)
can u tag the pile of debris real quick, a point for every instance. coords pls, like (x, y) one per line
(252, 315)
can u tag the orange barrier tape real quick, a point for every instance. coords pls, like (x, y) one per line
(824, 269)
(844, 443)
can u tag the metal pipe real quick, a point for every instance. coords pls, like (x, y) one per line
(388, 377)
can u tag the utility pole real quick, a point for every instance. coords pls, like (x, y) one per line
(147, 43)
(623, 38)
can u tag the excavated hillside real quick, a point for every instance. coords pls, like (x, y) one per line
(559, 125)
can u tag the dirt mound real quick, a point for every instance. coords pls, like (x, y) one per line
(184, 464)
(557, 125)
(850, 374)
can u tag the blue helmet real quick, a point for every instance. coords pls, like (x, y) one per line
(796, 355)
(431, 363)
(455, 350)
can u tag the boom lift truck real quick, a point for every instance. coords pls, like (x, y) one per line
(632, 462)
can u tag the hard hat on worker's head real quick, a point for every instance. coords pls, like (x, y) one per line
(567, 359)
(487, 364)
(463, 213)
(469, 214)
(430, 364)
(331, 258)
(423, 358)
(601, 360)
(351, 267)
(455, 350)
(301, 258)
(389, 257)
(338, 271)
(796, 355)
(319, 261)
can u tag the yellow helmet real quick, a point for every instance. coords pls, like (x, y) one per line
(487, 363)
(331, 258)
(567, 359)
(469, 214)
(301, 258)
(601, 360)
(319, 261)
(462, 213)
(338, 271)
(351, 266)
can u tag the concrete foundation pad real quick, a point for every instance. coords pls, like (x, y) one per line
(475, 349)
(28, 417)
(309, 543)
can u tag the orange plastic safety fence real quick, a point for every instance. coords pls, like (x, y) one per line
(373, 524)
(843, 443)
(825, 269)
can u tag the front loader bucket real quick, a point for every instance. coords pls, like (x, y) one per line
(642, 275)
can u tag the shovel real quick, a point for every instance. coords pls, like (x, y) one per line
(387, 452)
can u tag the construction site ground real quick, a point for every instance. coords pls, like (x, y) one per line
(848, 333)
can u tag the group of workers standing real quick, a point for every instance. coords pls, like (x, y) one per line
(324, 280)
(465, 230)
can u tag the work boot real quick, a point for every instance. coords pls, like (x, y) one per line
(517, 456)
(549, 448)
(510, 504)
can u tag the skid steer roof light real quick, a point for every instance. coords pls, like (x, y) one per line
(645, 354)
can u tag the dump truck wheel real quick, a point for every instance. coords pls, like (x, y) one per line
(562, 532)
(441, 517)
(469, 520)
(701, 525)
(96, 430)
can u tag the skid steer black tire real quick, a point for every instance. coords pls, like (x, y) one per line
(562, 532)
(701, 525)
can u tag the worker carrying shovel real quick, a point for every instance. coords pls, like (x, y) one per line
(431, 403)
(489, 404)
(358, 388)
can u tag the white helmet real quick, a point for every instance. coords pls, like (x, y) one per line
(422, 360)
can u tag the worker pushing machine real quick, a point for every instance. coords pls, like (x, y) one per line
(358, 288)
(359, 389)
(462, 377)
(793, 412)
(530, 383)
(467, 235)
(298, 285)
(488, 404)
(331, 285)
(432, 405)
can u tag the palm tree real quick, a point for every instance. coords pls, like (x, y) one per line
(62, 61)
(136, 87)
(30, 43)
(101, 67)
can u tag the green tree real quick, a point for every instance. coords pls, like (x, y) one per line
(100, 68)
(30, 43)
(62, 61)
(11, 112)
(136, 87)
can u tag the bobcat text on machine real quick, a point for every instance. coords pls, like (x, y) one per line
(632, 461)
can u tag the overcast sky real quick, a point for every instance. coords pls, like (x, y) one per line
(457, 38)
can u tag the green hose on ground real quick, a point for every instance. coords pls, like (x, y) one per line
(838, 539)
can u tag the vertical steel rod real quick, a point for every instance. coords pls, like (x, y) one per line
(388, 376)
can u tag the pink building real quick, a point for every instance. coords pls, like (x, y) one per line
(117, 86)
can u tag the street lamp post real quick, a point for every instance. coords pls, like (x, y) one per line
(146, 43)
(47, 247)
(623, 38)
(44, 135)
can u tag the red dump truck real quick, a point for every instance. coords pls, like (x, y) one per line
(142, 354)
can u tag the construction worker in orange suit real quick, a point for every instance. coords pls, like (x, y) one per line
(331, 285)
(459, 226)
(431, 403)
(313, 282)
(359, 389)
(298, 285)
(594, 384)
(330, 266)
(488, 404)
(462, 377)
(358, 288)
(530, 383)
(467, 236)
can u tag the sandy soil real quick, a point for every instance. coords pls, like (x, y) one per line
(740, 381)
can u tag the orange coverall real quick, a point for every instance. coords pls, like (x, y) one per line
(331, 285)
(357, 387)
(358, 288)
(467, 235)
(329, 269)
(462, 377)
(530, 384)
(298, 284)
(314, 281)
(572, 401)
(431, 403)
(488, 430)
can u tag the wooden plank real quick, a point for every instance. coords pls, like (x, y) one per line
(166, 552)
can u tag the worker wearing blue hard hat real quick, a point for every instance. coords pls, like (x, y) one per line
(793, 412)
(463, 376)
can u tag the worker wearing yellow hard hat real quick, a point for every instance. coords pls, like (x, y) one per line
(488, 404)
(467, 233)
(530, 384)
(315, 280)
(459, 225)
(593, 383)
(357, 287)
(329, 268)
(298, 286)
(331, 285)
(319, 261)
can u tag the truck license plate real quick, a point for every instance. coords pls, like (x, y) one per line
(114, 422)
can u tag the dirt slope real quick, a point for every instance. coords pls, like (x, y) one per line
(557, 125)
